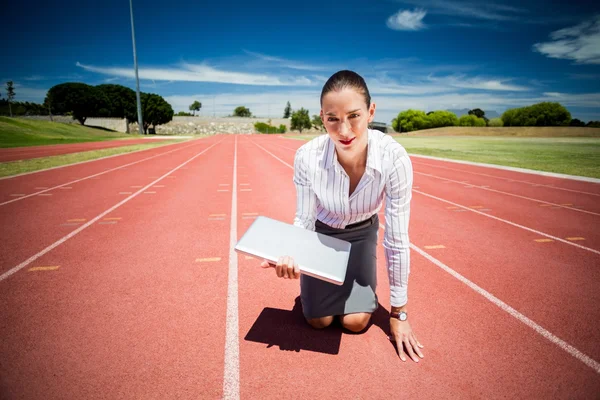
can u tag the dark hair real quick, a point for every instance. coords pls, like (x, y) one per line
(343, 79)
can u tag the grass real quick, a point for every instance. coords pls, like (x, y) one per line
(572, 156)
(20, 132)
(36, 164)
(566, 155)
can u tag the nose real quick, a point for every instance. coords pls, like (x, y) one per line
(344, 128)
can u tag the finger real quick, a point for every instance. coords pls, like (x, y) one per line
(286, 262)
(279, 268)
(296, 270)
(417, 340)
(409, 350)
(266, 264)
(413, 343)
(399, 347)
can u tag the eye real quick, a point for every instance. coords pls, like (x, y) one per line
(354, 115)
(332, 119)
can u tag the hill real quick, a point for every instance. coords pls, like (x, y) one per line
(17, 132)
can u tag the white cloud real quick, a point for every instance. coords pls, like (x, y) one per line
(580, 43)
(282, 62)
(201, 73)
(34, 78)
(462, 82)
(477, 10)
(407, 20)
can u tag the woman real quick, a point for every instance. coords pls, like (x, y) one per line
(341, 180)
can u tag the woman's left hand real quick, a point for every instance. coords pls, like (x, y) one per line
(402, 333)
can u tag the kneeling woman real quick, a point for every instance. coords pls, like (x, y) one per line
(341, 180)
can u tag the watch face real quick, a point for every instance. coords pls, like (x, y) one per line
(403, 316)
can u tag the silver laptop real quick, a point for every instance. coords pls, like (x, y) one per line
(318, 255)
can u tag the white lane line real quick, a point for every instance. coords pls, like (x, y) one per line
(90, 222)
(590, 362)
(231, 376)
(93, 176)
(543, 332)
(503, 178)
(510, 194)
(508, 222)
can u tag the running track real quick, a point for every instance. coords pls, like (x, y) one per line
(26, 153)
(118, 281)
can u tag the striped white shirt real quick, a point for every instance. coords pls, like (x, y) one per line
(322, 188)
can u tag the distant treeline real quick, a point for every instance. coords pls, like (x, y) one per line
(540, 114)
(82, 101)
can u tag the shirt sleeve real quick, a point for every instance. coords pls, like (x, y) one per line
(306, 199)
(397, 215)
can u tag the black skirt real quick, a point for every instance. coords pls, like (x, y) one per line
(358, 293)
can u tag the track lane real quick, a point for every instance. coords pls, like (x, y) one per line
(440, 303)
(30, 152)
(129, 313)
(45, 180)
(37, 222)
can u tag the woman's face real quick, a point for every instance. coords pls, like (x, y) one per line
(346, 118)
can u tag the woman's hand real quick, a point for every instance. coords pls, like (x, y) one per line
(285, 268)
(403, 334)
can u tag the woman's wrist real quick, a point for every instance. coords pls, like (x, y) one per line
(398, 309)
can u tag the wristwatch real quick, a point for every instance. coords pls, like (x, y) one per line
(402, 315)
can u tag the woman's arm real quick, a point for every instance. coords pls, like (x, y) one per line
(397, 215)
(306, 200)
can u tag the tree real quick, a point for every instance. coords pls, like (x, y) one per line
(10, 94)
(288, 110)
(317, 122)
(155, 110)
(540, 114)
(242, 111)
(195, 106)
(78, 99)
(300, 120)
(479, 113)
(122, 101)
(593, 124)
(576, 122)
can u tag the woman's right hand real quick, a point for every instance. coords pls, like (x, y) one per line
(285, 268)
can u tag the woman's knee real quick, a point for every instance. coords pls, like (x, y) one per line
(356, 322)
(320, 323)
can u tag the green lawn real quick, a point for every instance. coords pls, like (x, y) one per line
(566, 155)
(19, 132)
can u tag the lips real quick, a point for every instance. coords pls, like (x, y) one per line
(347, 142)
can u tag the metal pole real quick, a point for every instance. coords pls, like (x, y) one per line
(137, 79)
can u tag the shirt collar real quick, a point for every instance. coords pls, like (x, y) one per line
(373, 157)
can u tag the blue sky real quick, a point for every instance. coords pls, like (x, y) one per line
(426, 55)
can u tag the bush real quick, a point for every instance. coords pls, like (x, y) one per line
(495, 122)
(410, 120)
(266, 128)
(471, 120)
(438, 119)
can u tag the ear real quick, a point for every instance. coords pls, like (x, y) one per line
(371, 112)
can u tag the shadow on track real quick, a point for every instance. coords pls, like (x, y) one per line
(288, 330)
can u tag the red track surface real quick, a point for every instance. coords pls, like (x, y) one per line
(26, 153)
(131, 312)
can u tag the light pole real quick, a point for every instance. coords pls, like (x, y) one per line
(137, 79)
